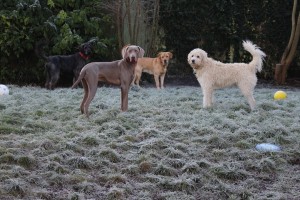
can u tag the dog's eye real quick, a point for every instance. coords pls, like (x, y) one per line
(192, 55)
(198, 56)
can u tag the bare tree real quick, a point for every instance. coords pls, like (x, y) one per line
(136, 22)
(116, 9)
(120, 23)
(154, 28)
(290, 50)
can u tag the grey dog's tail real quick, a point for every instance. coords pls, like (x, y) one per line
(80, 77)
(258, 55)
(39, 50)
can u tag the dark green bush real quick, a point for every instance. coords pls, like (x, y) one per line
(63, 24)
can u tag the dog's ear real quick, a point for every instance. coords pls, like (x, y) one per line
(171, 55)
(81, 47)
(159, 54)
(141, 52)
(124, 51)
(92, 41)
(203, 56)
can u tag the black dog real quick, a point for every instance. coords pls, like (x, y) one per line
(71, 64)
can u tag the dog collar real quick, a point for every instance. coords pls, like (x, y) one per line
(85, 57)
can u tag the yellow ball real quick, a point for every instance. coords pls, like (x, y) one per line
(280, 95)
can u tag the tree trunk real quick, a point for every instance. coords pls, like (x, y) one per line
(128, 11)
(154, 29)
(119, 22)
(290, 51)
(133, 19)
(136, 25)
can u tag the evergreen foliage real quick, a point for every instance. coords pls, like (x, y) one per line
(63, 24)
(217, 26)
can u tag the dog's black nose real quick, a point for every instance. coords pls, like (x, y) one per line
(193, 61)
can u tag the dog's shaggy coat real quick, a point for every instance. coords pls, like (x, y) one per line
(212, 74)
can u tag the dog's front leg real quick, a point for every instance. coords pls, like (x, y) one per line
(162, 79)
(47, 81)
(124, 98)
(207, 97)
(156, 78)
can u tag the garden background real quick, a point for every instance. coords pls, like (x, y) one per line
(216, 26)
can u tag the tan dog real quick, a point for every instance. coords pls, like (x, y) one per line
(120, 72)
(156, 66)
(212, 74)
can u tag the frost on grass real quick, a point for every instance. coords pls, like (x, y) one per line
(165, 147)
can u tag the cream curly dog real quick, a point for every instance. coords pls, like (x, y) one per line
(212, 74)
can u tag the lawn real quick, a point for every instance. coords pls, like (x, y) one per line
(165, 147)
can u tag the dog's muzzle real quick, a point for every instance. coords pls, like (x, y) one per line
(193, 61)
(87, 52)
(132, 59)
(87, 49)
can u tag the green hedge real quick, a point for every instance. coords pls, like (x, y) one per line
(64, 24)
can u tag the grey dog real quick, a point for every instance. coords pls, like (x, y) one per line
(120, 72)
(70, 64)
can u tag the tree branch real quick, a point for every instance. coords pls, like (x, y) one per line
(288, 47)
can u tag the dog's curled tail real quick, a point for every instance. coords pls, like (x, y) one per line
(258, 55)
(80, 77)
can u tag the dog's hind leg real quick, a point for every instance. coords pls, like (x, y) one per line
(137, 77)
(251, 101)
(53, 73)
(48, 75)
(76, 73)
(90, 92)
(247, 91)
(250, 98)
(86, 92)
(47, 80)
(54, 80)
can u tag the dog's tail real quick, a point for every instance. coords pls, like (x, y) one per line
(258, 55)
(39, 50)
(80, 77)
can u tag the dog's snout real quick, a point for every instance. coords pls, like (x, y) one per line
(193, 61)
(87, 50)
(133, 58)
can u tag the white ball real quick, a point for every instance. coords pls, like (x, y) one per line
(4, 90)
